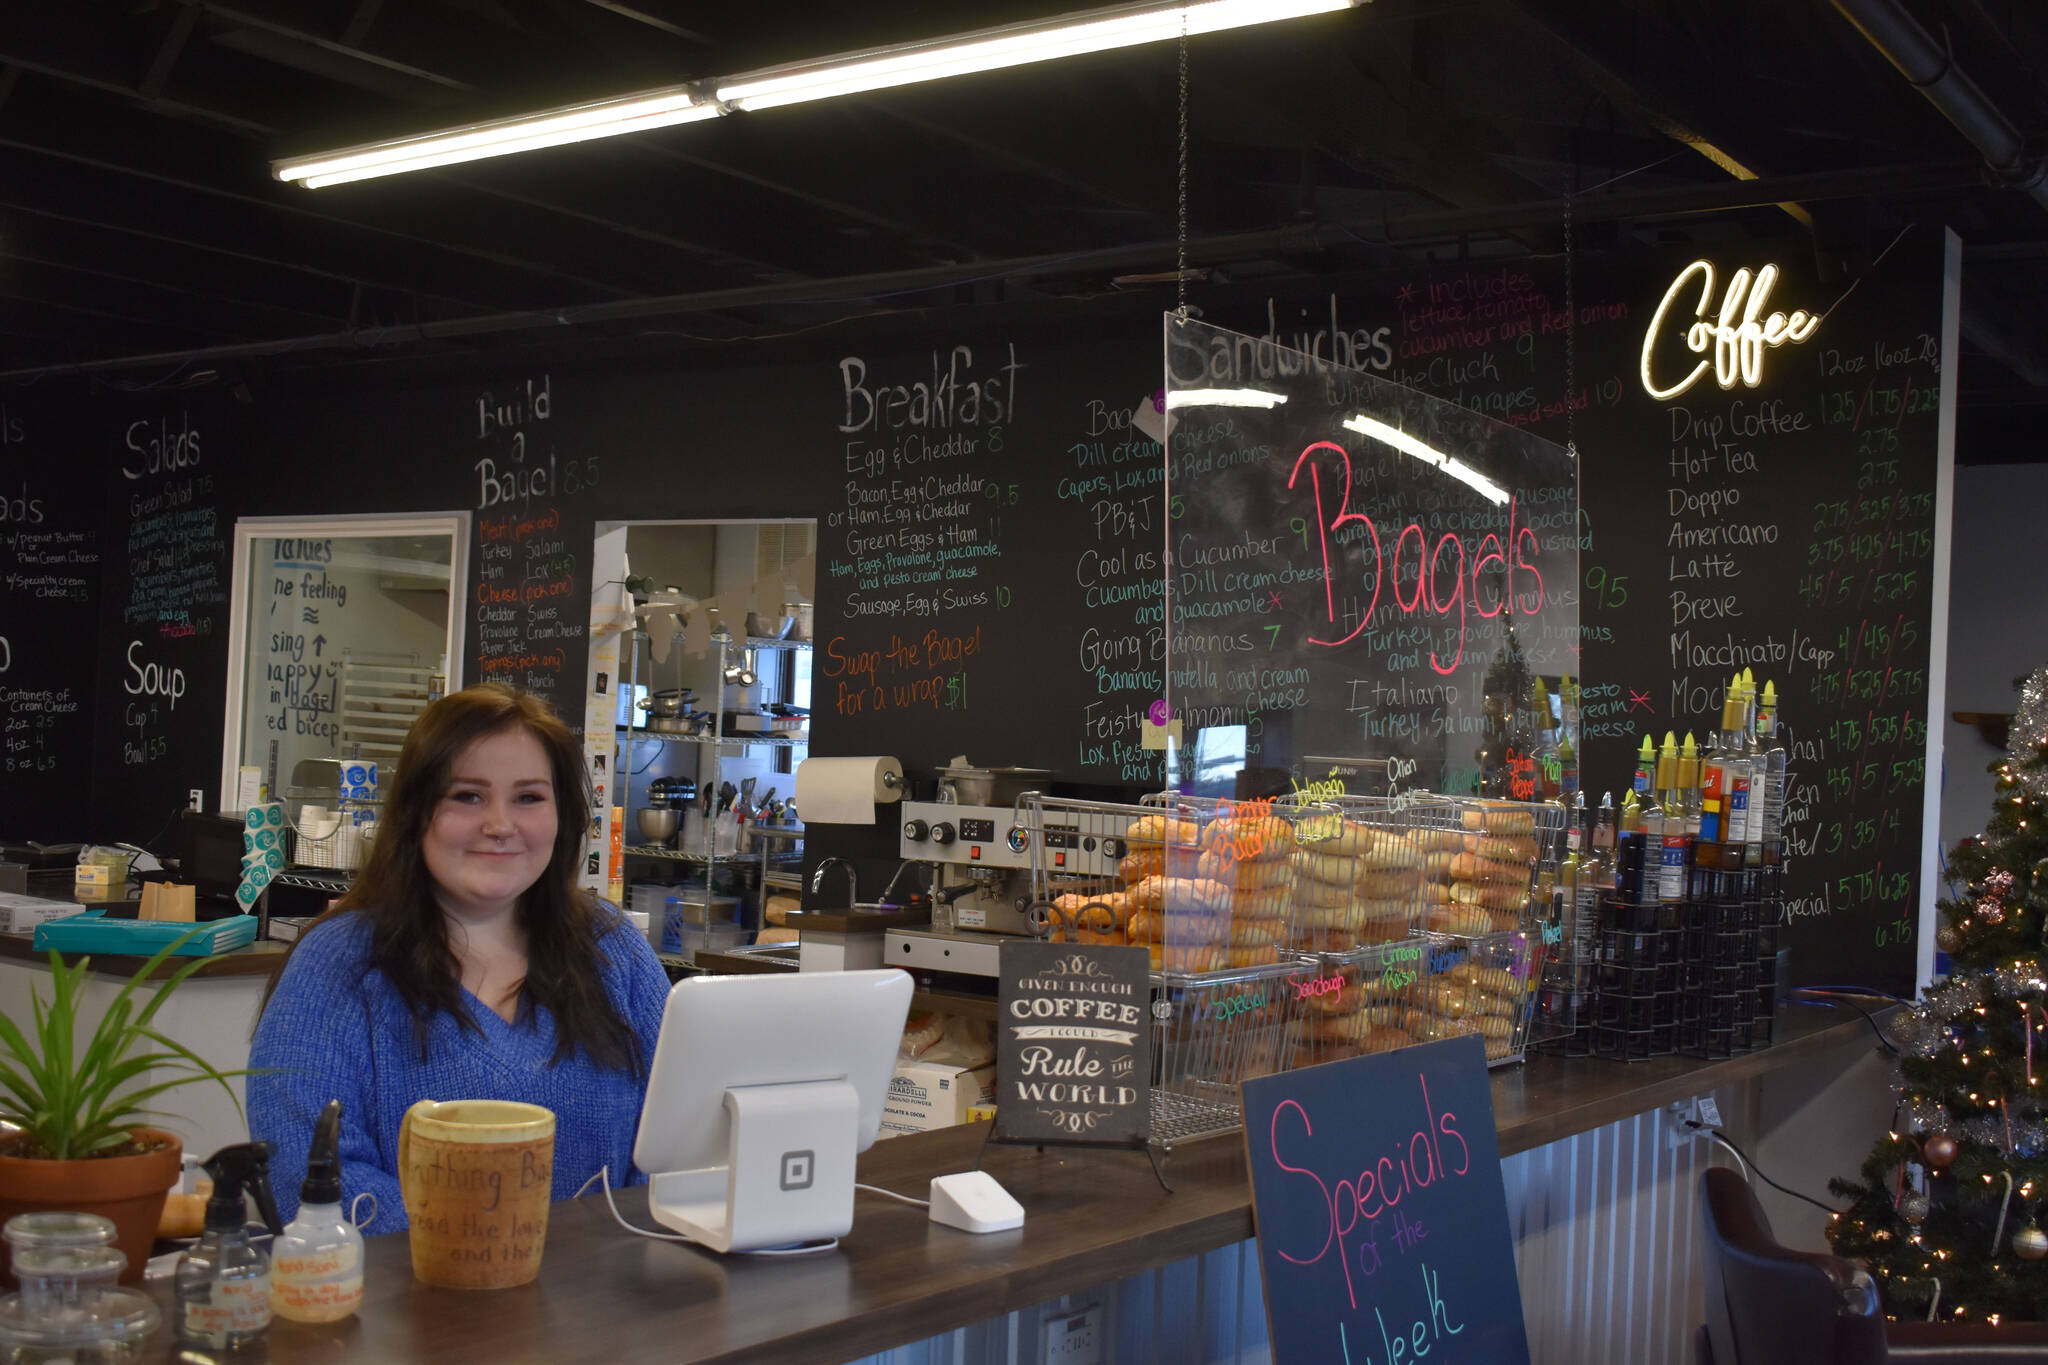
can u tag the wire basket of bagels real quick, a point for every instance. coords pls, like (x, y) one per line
(1485, 985)
(1358, 1001)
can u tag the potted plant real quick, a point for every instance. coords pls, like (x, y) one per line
(74, 1104)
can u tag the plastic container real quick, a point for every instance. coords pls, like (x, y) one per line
(69, 1307)
(693, 939)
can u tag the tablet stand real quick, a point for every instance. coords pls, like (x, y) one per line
(788, 1175)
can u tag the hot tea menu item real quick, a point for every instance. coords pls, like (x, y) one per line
(1073, 1044)
(1382, 1219)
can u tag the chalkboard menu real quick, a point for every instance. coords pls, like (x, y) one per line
(1073, 1044)
(1382, 1219)
(988, 560)
(49, 589)
(163, 619)
(1354, 567)
(531, 550)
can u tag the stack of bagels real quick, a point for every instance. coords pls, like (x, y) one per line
(1470, 996)
(1357, 884)
(1481, 873)
(1359, 1007)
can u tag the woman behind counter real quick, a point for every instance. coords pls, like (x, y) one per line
(464, 964)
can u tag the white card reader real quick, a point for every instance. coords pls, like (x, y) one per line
(973, 1202)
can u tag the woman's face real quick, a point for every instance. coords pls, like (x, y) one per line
(493, 830)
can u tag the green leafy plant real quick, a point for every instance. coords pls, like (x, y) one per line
(73, 1101)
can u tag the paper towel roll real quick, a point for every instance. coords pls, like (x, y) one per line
(845, 791)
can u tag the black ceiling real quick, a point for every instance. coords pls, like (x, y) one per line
(139, 220)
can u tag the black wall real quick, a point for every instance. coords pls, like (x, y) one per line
(991, 533)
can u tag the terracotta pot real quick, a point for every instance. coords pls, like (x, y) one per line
(128, 1189)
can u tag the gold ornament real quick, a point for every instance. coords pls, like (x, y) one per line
(1948, 938)
(1939, 1149)
(2030, 1243)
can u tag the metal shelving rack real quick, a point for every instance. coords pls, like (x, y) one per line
(745, 648)
(381, 696)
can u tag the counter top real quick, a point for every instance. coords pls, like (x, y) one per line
(260, 958)
(1093, 1216)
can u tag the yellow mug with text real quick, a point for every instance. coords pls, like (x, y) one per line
(477, 1176)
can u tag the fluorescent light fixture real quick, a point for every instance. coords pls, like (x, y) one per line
(1069, 35)
(1429, 455)
(577, 123)
(1065, 35)
(1224, 398)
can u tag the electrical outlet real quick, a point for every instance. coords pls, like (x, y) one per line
(1676, 1116)
(195, 799)
(1709, 1112)
(1074, 1336)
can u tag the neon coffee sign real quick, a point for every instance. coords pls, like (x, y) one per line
(1738, 335)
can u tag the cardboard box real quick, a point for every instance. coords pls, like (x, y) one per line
(926, 1095)
(21, 914)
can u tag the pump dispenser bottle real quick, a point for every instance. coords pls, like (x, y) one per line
(317, 1265)
(223, 1284)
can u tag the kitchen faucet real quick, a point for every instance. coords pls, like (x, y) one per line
(852, 880)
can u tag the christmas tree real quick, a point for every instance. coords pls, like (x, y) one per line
(1952, 1212)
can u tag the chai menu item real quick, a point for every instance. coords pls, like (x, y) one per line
(1382, 1219)
(1073, 1044)
(477, 1176)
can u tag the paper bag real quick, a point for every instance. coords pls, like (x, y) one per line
(167, 901)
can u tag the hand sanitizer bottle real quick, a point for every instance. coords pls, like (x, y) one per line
(317, 1264)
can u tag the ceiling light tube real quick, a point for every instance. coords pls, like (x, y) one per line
(1429, 455)
(879, 68)
(556, 127)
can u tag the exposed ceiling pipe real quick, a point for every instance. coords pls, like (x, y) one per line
(1395, 227)
(1931, 69)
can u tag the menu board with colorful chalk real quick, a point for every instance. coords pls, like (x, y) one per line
(49, 585)
(1354, 567)
(1382, 1219)
(1073, 1044)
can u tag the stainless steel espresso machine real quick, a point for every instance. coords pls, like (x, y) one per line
(980, 855)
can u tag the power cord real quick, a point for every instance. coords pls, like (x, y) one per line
(604, 1175)
(1749, 1166)
(1825, 997)
(891, 1194)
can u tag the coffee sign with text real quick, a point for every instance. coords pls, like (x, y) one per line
(1382, 1219)
(1073, 1044)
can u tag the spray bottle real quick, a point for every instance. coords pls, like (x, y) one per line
(223, 1284)
(318, 1261)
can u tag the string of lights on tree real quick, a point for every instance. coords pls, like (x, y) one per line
(1951, 1214)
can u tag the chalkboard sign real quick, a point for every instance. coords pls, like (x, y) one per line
(1382, 1220)
(531, 556)
(1073, 1044)
(1355, 567)
(163, 619)
(49, 591)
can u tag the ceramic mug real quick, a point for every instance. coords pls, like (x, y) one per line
(477, 1176)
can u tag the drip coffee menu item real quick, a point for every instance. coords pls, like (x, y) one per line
(1382, 1219)
(1073, 1044)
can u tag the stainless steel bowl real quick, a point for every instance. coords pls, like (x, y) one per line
(658, 823)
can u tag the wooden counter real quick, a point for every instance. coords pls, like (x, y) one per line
(1093, 1217)
(260, 958)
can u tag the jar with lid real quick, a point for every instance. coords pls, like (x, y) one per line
(70, 1307)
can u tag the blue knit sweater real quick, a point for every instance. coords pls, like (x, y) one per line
(336, 1029)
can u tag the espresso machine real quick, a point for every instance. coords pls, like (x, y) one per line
(981, 864)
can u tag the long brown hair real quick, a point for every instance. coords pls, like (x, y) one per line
(396, 892)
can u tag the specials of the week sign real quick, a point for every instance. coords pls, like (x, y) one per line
(1073, 1044)
(1382, 1220)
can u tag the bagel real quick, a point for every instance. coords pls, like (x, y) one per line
(1497, 897)
(1496, 849)
(1322, 894)
(1180, 893)
(1470, 867)
(1323, 938)
(1496, 979)
(1218, 865)
(1389, 883)
(1500, 817)
(1142, 862)
(1153, 926)
(1432, 840)
(1277, 903)
(1162, 829)
(1331, 868)
(1077, 904)
(1345, 1028)
(1377, 846)
(1423, 1025)
(1250, 838)
(1463, 920)
(1208, 957)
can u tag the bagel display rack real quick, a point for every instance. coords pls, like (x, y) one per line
(1285, 933)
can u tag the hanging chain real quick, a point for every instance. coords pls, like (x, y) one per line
(1571, 335)
(1180, 274)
